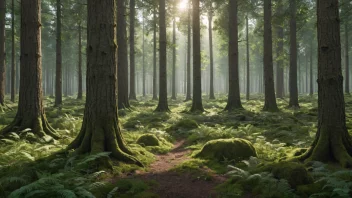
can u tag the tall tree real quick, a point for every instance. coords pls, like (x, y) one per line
(270, 99)
(293, 57)
(132, 51)
(311, 88)
(247, 50)
(280, 85)
(155, 97)
(347, 11)
(100, 130)
(188, 92)
(173, 59)
(210, 29)
(2, 52)
(58, 80)
(197, 74)
(332, 141)
(143, 62)
(234, 98)
(163, 104)
(13, 54)
(122, 56)
(30, 113)
(80, 87)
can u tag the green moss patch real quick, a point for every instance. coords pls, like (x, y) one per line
(148, 140)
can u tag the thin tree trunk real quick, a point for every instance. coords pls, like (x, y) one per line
(210, 20)
(31, 112)
(155, 97)
(197, 76)
(311, 90)
(58, 82)
(247, 49)
(163, 104)
(270, 100)
(347, 67)
(143, 59)
(80, 89)
(173, 97)
(13, 54)
(188, 94)
(132, 52)
(234, 99)
(2, 52)
(279, 64)
(293, 57)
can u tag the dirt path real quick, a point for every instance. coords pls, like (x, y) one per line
(172, 184)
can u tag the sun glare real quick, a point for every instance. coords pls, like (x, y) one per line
(182, 5)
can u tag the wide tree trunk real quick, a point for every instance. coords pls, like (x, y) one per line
(30, 113)
(13, 54)
(197, 74)
(188, 92)
(155, 97)
(58, 81)
(210, 21)
(332, 142)
(173, 97)
(280, 86)
(269, 90)
(163, 104)
(122, 57)
(80, 80)
(234, 98)
(2, 52)
(100, 130)
(293, 57)
(247, 50)
(132, 52)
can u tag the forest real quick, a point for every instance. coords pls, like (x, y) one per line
(175, 98)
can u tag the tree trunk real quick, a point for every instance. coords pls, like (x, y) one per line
(155, 97)
(311, 89)
(132, 52)
(163, 105)
(188, 94)
(122, 57)
(210, 20)
(247, 49)
(13, 54)
(270, 100)
(197, 76)
(279, 63)
(2, 53)
(100, 130)
(30, 113)
(173, 97)
(347, 68)
(143, 63)
(80, 89)
(234, 98)
(58, 82)
(332, 142)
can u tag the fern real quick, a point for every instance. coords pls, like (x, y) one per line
(112, 192)
(94, 157)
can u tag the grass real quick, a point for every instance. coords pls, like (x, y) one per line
(28, 165)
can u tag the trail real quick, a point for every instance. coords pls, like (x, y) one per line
(172, 184)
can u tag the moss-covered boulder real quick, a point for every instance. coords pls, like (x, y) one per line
(227, 149)
(186, 124)
(148, 140)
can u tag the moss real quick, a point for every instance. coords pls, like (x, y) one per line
(187, 124)
(227, 149)
(309, 189)
(148, 140)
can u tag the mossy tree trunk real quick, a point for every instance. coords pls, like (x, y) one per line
(163, 104)
(155, 96)
(269, 90)
(132, 51)
(188, 87)
(58, 76)
(30, 113)
(234, 98)
(197, 105)
(100, 130)
(332, 142)
(293, 57)
(2, 52)
(122, 57)
(80, 88)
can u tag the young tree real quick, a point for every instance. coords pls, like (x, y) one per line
(234, 99)
(293, 57)
(332, 142)
(132, 51)
(58, 80)
(197, 74)
(2, 52)
(270, 100)
(163, 104)
(30, 113)
(100, 130)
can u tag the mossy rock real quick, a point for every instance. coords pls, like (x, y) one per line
(184, 124)
(227, 149)
(148, 140)
(295, 173)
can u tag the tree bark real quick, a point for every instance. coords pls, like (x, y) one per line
(247, 49)
(270, 99)
(13, 54)
(155, 97)
(332, 142)
(80, 89)
(163, 104)
(122, 57)
(30, 113)
(2, 52)
(234, 98)
(188, 94)
(100, 130)
(173, 97)
(58, 81)
(143, 62)
(347, 67)
(293, 57)
(280, 90)
(197, 76)
(132, 52)
(311, 89)
(210, 20)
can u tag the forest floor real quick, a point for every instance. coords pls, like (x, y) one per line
(32, 167)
